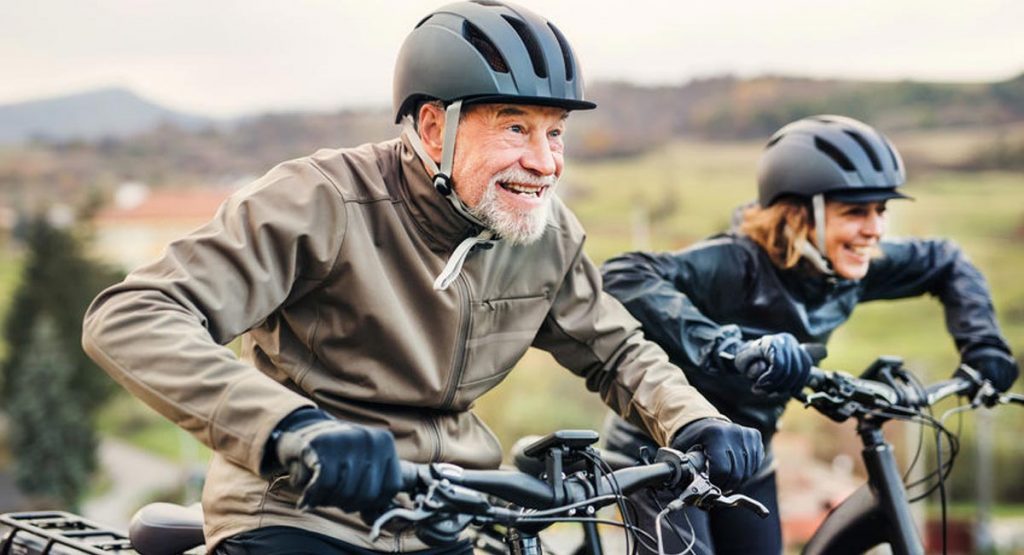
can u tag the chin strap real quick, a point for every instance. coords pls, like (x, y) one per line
(805, 247)
(441, 178)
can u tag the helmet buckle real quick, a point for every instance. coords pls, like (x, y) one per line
(443, 184)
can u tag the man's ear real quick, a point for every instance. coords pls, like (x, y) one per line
(431, 129)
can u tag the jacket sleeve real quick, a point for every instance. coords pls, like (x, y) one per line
(914, 267)
(590, 333)
(161, 332)
(658, 289)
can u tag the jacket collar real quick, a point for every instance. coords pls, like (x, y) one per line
(438, 223)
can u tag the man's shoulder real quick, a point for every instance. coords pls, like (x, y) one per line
(359, 173)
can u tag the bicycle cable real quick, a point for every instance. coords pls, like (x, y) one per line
(662, 511)
(628, 525)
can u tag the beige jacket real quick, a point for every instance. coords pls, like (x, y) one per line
(325, 266)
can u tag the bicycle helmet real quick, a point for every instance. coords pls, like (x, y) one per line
(486, 51)
(828, 157)
(837, 156)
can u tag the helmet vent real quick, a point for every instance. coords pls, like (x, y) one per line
(895, 161)
(530, 42)
(570, 69)
(773, 140)
(485, 47)
(875, 162)
(834, 153)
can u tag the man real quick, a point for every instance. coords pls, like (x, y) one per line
(381, 290)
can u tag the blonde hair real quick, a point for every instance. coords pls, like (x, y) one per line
(778, 229)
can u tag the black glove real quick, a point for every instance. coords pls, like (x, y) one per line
(340, 464)
(774, 363)
(994, 365)
(735, 453)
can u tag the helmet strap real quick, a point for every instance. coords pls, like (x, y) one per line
(484, 238)
(441, 177)
(814, 254)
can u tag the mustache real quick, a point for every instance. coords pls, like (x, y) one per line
(519, 175)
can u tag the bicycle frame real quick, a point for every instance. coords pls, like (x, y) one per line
(878, 512)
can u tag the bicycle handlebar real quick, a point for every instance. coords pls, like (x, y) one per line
(840, 395)
(449, 497)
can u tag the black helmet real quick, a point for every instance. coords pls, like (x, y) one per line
(486, 51)
(836, 156)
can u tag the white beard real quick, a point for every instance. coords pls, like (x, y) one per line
(517, 227)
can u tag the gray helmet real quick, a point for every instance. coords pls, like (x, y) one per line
(836, 156)
(486, 51)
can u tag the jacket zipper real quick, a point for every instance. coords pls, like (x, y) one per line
(465, 317)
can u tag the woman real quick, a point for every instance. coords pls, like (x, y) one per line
(733, 310)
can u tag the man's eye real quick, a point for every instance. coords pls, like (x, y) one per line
(517, 129)
(555, 133)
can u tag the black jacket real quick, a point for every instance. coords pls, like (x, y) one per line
(726, 286)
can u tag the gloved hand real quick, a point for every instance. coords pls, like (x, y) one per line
(774, 363)
(994, 365)
(735, 453)
(341, 464)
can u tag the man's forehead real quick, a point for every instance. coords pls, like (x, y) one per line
(513, 110)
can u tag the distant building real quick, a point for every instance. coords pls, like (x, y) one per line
(142, 221)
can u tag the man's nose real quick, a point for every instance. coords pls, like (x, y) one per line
(538, 156)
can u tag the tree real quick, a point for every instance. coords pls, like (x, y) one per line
(52, 439)
(49, 387)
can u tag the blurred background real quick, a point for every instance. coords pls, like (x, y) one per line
(125, 124)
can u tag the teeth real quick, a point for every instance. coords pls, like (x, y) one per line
(523, 189)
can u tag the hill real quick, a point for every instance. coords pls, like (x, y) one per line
(633, 118)
(88, 116)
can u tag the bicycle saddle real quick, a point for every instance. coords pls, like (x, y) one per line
(166, 529)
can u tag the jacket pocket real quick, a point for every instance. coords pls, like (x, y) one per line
(504, 329)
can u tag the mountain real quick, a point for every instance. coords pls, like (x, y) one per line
(103, 113)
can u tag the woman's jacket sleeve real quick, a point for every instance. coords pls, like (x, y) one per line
(916, 267)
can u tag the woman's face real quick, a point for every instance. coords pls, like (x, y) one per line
(852, 232)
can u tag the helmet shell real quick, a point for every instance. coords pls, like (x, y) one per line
(837, 156)
(487, 51)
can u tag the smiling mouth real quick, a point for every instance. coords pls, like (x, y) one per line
(859, 251)
(535, 191)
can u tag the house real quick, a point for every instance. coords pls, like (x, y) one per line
(140, 223)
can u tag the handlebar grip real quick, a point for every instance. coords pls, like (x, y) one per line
(816, 378)
(697, 459)
(410, 475)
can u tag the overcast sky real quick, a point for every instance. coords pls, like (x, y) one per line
(229, 57)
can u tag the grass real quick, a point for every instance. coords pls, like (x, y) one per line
(10, 275)
(127, 419)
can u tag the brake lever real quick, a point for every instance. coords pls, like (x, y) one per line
(740, 500)
(411, 515)
(703, 494)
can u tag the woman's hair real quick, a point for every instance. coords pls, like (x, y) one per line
(779, 228)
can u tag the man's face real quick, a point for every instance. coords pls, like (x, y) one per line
(508, 159)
